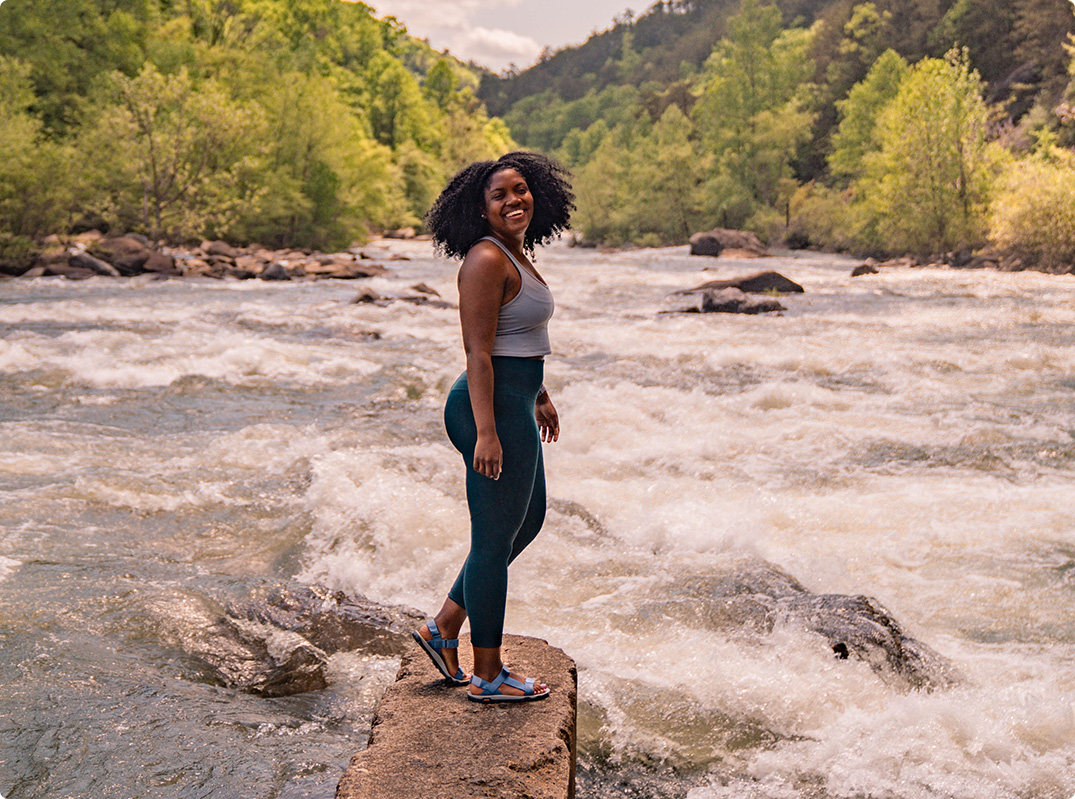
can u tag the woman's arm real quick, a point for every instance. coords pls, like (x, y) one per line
(481, 292)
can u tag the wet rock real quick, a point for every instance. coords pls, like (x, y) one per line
(715, 242)
(277, 642)
(756, 283)
(401, 233)
(421, 299)
(264, 660)
(864, 269)
(368, 295)
(422, 288)
(333, 621)
(860, 626)
(735, 301)
(85, 261)
(275, 271)
(754, 596)
(344, 268)
(68, 271)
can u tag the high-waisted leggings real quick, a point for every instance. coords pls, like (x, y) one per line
(505, 514)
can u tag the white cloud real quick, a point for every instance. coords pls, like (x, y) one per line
(455, 25)
(497, 47)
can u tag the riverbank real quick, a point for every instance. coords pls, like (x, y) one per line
(92, 254)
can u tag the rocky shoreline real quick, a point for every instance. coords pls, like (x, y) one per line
(93, 254)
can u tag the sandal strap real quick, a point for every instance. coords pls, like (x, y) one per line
(493, 686)
(504, 678)
(437, 642)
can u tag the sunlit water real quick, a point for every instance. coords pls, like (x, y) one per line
(909, 435)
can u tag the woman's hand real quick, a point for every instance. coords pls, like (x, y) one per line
(547, 419)
(488, 456)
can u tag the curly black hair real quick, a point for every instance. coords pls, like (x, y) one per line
(455, 219)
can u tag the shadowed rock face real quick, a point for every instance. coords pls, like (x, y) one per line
(756, 596)
(278, 643)
(332, 620)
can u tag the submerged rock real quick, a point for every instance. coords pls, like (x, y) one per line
(278, 643)
(332, 620)
(716, 241)
(756, 283)
(755, 596)
(735, 301)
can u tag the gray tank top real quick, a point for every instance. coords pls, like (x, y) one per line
(522, 327)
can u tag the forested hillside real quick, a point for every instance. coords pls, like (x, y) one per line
(289, 122)
(882, 126)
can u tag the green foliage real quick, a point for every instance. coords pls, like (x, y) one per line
(1034, 210)
(69, 43)
(752, 111)
(643, 185)
(35, 178)
(855, 136)
(171, 159)
(929, 186)
(293, 122)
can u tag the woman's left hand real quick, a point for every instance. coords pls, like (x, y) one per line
(547, 419)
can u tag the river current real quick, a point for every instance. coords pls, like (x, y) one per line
(175, 445)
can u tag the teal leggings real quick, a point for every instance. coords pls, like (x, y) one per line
(505, 514)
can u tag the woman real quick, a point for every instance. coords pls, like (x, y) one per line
(492, 214)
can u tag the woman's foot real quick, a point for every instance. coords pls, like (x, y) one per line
(442, 650)
(506, 686)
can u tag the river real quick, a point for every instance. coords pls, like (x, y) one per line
(908, 436)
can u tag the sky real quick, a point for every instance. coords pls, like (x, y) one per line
(496, 33)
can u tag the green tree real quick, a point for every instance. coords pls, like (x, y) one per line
(70, 43)
(929, 185)
(173, 159)
(35, 184)
(856, 134)
(752, 110)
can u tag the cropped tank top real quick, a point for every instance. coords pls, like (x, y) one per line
(522, 326)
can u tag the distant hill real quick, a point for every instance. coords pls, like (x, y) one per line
(1017, 47)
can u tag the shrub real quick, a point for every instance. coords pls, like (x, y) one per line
(1034, 212)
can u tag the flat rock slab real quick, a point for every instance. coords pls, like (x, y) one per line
(430, 742)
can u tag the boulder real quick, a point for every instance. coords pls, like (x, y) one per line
(127, 253)
(219, 248)
(757, 283)
(428, 741)
(333, 621)
(275, 271)
(401, 233)
(84, 261)
(368, 295)
(161, 263)
(716, 241)
(864, 269)
(752, 597)
(735, 301)
(271, 643)
(422, 288)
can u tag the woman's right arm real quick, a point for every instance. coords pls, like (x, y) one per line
(481, 292)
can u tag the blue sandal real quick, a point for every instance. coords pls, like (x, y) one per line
(430, 648)
(491, 690)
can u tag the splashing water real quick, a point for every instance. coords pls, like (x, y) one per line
(909, 436)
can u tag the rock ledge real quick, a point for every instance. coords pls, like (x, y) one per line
(429, 742)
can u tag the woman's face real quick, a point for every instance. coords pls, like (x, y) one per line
(509, 205)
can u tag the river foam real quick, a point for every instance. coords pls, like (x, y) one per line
(908, 436)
